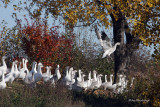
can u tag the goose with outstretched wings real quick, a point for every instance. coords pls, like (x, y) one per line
(105, 43)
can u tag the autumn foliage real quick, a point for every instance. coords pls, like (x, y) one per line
(46, 45)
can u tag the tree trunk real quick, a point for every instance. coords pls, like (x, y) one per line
(118, 36)
(125, 50)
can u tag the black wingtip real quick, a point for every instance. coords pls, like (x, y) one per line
(96, 28)
(104, 35)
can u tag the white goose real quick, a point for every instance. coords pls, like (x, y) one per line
(38, 75)
(73, 74)
(47, 76)
(105, 80)
(76, 86)
(106, 43)
(67, 78)
(3, 68)
(70, 72)
(2, 83)
(132, 82)
(79, 78)
(22, 71)
(89, 81)
(16, 71)
(50, 74)
(10, 76)
(57, 72)
(94, 76)
(96, 84)
(119, 86)
(19, 66)
(124, 82)
(120, 80)
(108, 84)
(33, 70)
(30, 82)
(56, 77)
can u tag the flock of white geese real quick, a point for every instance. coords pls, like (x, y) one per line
(73, 79)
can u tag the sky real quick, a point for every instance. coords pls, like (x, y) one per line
(6, 14)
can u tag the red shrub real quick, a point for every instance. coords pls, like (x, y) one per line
(46, 45)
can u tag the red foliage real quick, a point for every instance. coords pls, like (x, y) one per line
(47, 45)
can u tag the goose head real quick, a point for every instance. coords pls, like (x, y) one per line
(33, 64)
(71, 69)
(99, 75)
(105, 78)
(94, 71)
(117, 43)
(111, 75)
(26, 60)
(40, 64)
(49, 67)
(4, 57)
(39, 67)
(15, 62)
(23, 60)
(120, 76)
(34, 67)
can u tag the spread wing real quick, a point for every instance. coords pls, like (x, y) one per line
(104, 40)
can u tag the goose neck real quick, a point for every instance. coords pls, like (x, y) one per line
(16, 69)
(23, 62)
(111, 79)
(3, 61)
(12, 69)
(39, 69)
(67, 73)
(3, 77)
(89, 76)
(47, 70)
(105, 78)
(95, 76)
(79, 73)
(33, 66)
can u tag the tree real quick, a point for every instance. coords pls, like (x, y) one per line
(10, 43)
(136, 20)
(44, 44)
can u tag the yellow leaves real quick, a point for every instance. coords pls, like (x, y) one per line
(139, 15)
(156, 102)
(65, 7)
(101, 16)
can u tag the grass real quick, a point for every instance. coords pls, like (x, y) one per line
(41, 96)
(45, 95)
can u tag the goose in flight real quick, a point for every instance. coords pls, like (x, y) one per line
(105, 43)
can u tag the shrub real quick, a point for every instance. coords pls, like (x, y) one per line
(46, 45)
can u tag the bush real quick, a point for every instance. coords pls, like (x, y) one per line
(46, 45)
